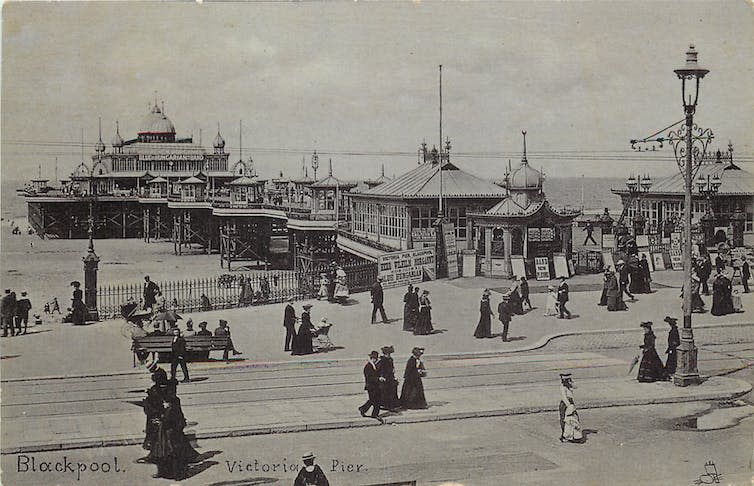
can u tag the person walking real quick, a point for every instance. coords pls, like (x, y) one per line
(222, 331)
(524, 291)
(570, 426)
(562, 299)
(651, 368)
(722, 295)
(372, 382)
(645, 275)
(674, 340)
(424, 320)
(302, 342)
(505, 313)
(332, 281)
(412, 393)
(551, 304)
(623, 273)
(311, 474)
(150, 293)
(388, 383)
(745, 275)
(289, 323)
(178, 355)
(55, 306)
(517, 306)
(408, 309)
(614, 294)
(23, 306)
(6, 314)
(606, 279)
(484, 328)
(377, 301)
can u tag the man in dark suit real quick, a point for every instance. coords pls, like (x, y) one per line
(203, 332)
(377, 299)
(224, 330)
(150, 291)
(7, 311)
(562, 299)
(372, 386)
(505, 313)
(23, 306)
(289, 323)
(178, 355)
(745, 275)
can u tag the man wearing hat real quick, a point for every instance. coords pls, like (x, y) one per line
(178, 355)
(674, 340)
(203, 329)
(623, 279)
(504, 313)
(223, 330)
(289, 323)
(150, 293)
(372, 383)
(377, 300)
(562, 299)
(389, 385)
(23, 306)
(311, 474)
(6, 313)
(566, 400)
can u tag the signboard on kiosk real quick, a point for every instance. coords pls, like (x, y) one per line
(449, 242)
(406, 267)
(542, 268)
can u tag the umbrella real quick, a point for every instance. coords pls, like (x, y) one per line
(633, 363)
(169, 316)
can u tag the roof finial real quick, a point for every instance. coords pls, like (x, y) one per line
(383, 170)
(329, 171)
(523, 159)
(117, 127)
(100, 128)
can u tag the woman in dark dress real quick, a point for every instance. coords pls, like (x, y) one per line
(388, 387)
(645, 276)
(517, 305)
(302, 341)
(722, 296)
(651, 368)
(172, 451)
(614, 294)
(408, 309)
(606, 280)
(153, 409)
(674, 340)
(78, 309)
(412, 394)
(484, 328)
(424, 321)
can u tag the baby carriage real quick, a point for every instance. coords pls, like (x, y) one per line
(321, 341)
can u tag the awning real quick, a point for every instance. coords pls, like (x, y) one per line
(359, 249)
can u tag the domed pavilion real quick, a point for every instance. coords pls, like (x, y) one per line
(523, 226)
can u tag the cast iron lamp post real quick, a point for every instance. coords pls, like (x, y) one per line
(689, 144)
(636, 187)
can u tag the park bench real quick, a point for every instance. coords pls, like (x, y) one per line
(197, 347)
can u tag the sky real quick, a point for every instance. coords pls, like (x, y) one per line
(358, 81)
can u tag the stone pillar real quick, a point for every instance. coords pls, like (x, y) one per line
(488, 250)
(507, 242)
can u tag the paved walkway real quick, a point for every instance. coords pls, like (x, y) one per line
(104, 348)
(302, 414)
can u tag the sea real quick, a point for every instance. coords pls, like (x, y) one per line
(591, 193)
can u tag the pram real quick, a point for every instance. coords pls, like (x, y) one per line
(321, 341)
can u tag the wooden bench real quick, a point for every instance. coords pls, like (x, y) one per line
(197, 347)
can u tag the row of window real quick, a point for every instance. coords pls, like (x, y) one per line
(390, 221)
(673, 210)
(131, 165)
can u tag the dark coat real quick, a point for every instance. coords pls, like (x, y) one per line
(178, 348)
(371, 377)
(376, 291)
(745, 271)
(316, 477)
(289, 319)
(150, 290)
(563, 292)
(504, 311)
(23, 306)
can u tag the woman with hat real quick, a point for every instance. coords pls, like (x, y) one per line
(78, 309)
(551, 305)
(674, 340)
(614, 294)
(311, 474)
(389, 385)
(302, 341)
(424, 321)
(412, 394)
(651, 368)
(606, 279)
(722, 295)
(410, 308)
(570, 425)
(484, 328)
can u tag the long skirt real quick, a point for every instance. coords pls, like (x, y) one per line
(78, 314)
(412, 394)
(390, 395)
(423, 323)
(572, 428)
(341, 291)
(409, 318)
(651, 367)
(603, 298)
(615, 303)
(697, 304)
(484, 328)
(672, 362)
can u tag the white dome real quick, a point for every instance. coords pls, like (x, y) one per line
(525, 177)
(157, 122)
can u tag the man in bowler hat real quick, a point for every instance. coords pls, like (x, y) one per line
(372, 383)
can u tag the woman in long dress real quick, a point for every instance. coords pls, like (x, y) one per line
(78, 309)
(323, 283)
(570, 426)
(645, 275)
(603, 297)
(408, 311)
(722, 296)
(424, 322)
(172, 451)
(674, 340)
(484, 328)
(412, 394)
(302, 341)
(614, 294)
(341, 287)
(551, 306)
(389, 387)
(651, 368)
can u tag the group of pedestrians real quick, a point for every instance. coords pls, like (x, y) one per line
(168, 446)
(417, 312)
(14, 313)
(651, 368)
(382, 386)
(724, 300)
(333, 285)
(301, 341)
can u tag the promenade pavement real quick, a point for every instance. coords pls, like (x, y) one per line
(62, 349)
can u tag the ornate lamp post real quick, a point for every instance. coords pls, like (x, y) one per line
(689, 144)
(91, 264)
(636, 187)
(708, 187)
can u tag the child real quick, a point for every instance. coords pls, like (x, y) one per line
(551, 309)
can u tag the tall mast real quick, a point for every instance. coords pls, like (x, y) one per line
(439, 213)
(240, 140)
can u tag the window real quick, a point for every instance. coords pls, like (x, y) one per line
(457, 216)
(749, 225)
(425, 217)
(393, 221)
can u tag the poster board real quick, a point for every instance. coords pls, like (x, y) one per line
(675, 241)
(561, 265)
(542, 267)
(676, 260)
(650, 260)
(517, 266)
(449, 243)
(400, 268)
(571, 267)
(608, 241)
(607, 260)
(658, 261)
(642, 241)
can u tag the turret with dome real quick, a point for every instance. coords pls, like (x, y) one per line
(156, 127)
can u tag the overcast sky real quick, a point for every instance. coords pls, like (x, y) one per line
(582, 78)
